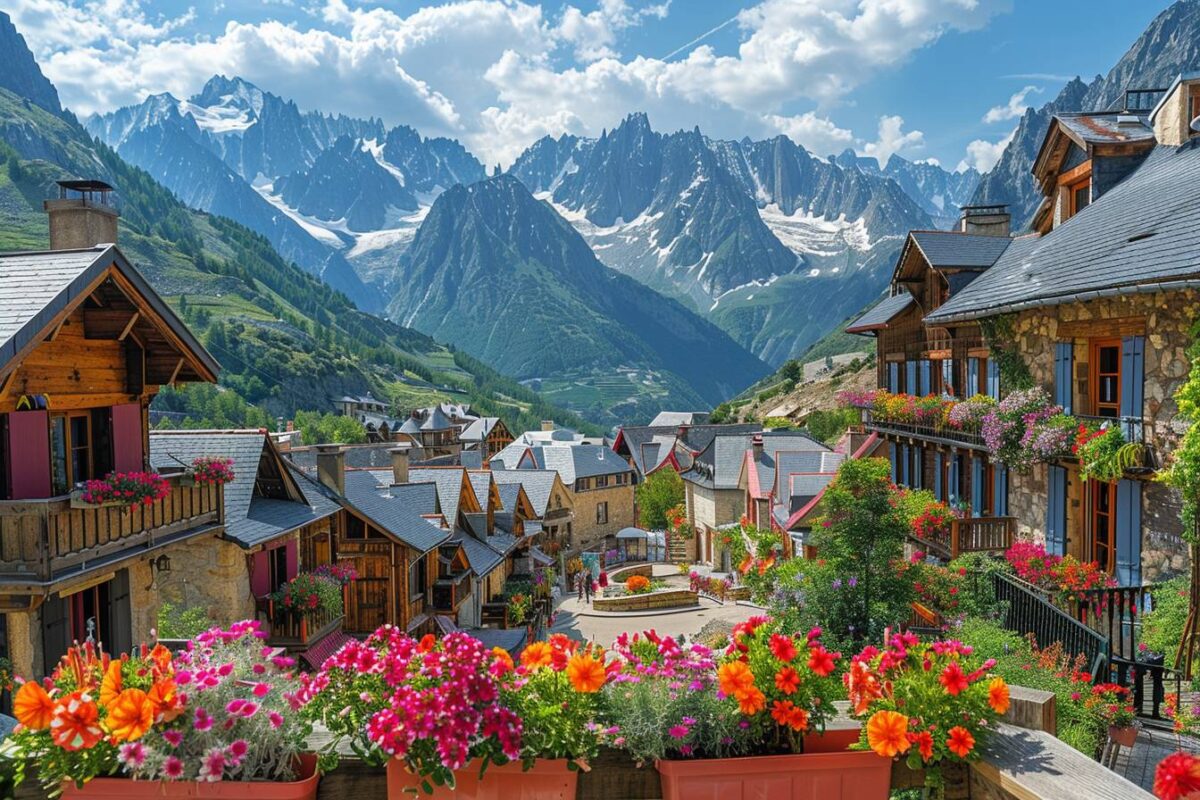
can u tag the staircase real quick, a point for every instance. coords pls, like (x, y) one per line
(678, 551)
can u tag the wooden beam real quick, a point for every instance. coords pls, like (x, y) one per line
(1075, 174)
(175, 372)
(129, 326)
(1093, 328)
(54, 333)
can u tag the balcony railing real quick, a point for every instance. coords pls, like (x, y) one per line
(932, 431)
(44, 540)
(294, 630)
(971, 535)
(919, 342)
(450, 591)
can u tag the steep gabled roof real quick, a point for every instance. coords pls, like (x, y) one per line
(436, 421)
(948, 249)
(390, 511)
(538, 484)
(479, 429)
(882, 313)
(1142, 235)
(449, 482)
(719, 465)
(37, 289)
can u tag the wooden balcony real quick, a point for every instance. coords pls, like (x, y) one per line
(936, 432)
(972, 535)
(450, 591)
(294, 630)
(46, 541)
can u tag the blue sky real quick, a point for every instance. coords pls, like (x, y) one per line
(940, 79)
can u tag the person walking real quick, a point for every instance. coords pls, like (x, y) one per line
(587, 586)
(579, 586)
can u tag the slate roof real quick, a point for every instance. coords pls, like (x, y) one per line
(479, 429)
(943, 249)
(805, 487)
(481, 482)
(250, 520)
(571, 461)
(390, 510)
(880, 314)
(410, 426)
(1103, 128)
(482, 558)
(509, 493)
(791, 464)
(677, 418)
(358, 456)
(538, 483)
(449, 487)
(436, 421)
(1142, 234)
(36, 286)
(719, 465)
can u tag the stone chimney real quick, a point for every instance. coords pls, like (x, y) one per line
(547, 425)
(1172, 118)
(331, 467)
(399, 463)
(82, 216)
(985, 220)
(756, 445)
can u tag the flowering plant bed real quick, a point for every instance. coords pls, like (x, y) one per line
(122, 489)
(637, 584)
(309, 594)
(342, 574)
(1069, 581)
(931, 703)
(218, 711)
(212, 470)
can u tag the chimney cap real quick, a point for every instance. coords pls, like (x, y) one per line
(85, 186)
(329, 448)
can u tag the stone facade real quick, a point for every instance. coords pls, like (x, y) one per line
(212, 574)
(1167, 318)
(707, 510)
(589, 535)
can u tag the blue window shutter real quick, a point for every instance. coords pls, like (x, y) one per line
(1063, 367)
(937, 477)
(999, 490)
(904, 462)
(1129, 533)
(1056, 511)
(926, 383)
(976, 486)
(993, 378)
(892, 457)
(948, 386)
(955, 480)
(972, 387)
(1133, 354)
(918, 478)
(910, 376)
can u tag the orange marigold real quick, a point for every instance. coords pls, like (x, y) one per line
(33, 706)
(537, 655)
(961, 742)
(735, 678)
(130, 715)
(586, 673)
(76, 722)
(998, 696)
(887, 733)
(751, 702)
(787, 680)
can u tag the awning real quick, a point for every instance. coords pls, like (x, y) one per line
(632, 533)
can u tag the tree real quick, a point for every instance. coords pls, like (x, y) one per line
(791, 371)
(327, 428)
(659, 492)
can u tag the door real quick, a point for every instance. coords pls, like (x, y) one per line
(1106, 378)
(1103, 506)
(370, 595)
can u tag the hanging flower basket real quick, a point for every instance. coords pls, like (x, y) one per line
(209, 471)
(121, 489)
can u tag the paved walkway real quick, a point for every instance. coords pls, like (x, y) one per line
(1153, 745)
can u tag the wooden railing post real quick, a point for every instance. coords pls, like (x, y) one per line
(954, 537)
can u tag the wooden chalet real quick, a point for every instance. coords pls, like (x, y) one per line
(85, 344)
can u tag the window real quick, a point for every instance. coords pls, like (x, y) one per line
(80, 448)
(601, 481)
(417, 579)
(601, 513)
(1079, 196)
(1104, 503)
(277, 566)
(1106, 378)
(1194, 113)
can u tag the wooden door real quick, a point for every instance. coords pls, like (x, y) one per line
(1104, 505)
(370, 595)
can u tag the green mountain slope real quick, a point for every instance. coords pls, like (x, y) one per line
(285, 340)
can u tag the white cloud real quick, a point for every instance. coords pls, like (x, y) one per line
(1014, 108)
(893, 139)
(933, 162)
(983, 155)
(489, 72)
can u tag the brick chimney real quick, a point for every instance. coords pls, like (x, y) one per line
(399, 463)
(547, 425)
(82, 216)
(331, 467)
(991, 220)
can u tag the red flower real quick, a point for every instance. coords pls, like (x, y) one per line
(924, 743)
(953, 679)
(820, 661)
(961, 742)
(1177, 777)
(784, 647)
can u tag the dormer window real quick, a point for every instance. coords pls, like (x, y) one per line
(1079, 195)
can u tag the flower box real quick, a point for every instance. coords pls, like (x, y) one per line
(303, 788)
(77, 501)
(548, 779)
(845, 775)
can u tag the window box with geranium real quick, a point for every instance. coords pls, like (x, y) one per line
(121, 489)
(934, 704)
(449, 715)
(209, 471)
(217, 714)
(784, 687)
(305, 607)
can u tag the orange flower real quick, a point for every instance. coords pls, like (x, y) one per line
(537, 655)
(961, 742)
(998, 695)
(427, 643)
(76, 722)
(161, 657)
(887, 733)
(586, 673)
(751, 702)
(164, 701)
(735, 678)
(130, 715)
(110, 685)
(501, 660)
(924, 743)
(862, 686)
(33, 707)
(787, 680)
(785, 712)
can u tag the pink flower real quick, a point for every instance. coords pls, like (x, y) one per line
(237, 750)
(261, 689)
(132, 755)
(225, 670)
(202, 721)
(212, 766)
(172, 768)
(249, 709)
(678, 731)
(276, 719)
(173, 738)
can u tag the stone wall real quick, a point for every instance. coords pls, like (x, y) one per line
(1168, 317)
(589, 535)
(209, 573)
(671, 598)
(712, 508)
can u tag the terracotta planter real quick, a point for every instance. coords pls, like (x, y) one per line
(125, 789)
(547, 780)
(1126, 737)
(842, 775)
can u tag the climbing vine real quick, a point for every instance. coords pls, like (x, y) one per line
(1000, 336)
(1184, 471)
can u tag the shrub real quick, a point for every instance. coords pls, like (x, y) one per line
(1162, 627)
(176, 622)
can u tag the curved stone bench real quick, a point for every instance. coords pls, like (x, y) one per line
(665, 598)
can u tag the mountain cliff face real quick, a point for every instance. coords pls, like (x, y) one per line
(1169, 46)
(499, 274)
(20, 73)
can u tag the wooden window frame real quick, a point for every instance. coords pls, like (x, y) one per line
(1102, 553)
(67, 418)
(602, 513)
(421, 575)
(1072, 188)
(1094, 375)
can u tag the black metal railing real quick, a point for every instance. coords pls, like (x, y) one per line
(1028, 610)
(934, 431)
(1117, 613)
(1150, 684)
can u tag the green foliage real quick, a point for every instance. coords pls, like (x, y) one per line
(182, 622)
(776, 423)
(1106, 456)
(1184, 470)
(1162, 628)
(828, 426)
(329, 428)
(721, 414)
(998, 333)
(661, 491)
(791, 371)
